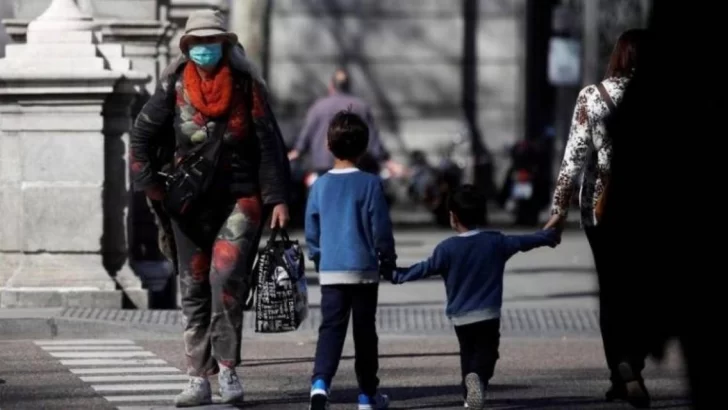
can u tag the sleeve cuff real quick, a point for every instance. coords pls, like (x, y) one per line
(559, 210)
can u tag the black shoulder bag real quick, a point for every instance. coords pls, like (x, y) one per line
(193, 176)
(601, 200)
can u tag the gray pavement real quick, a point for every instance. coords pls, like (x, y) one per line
(418, 373)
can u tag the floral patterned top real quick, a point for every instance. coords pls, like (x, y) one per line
(588, 151)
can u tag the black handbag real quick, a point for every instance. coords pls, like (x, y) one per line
(193, 176)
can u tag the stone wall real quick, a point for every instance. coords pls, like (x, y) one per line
(406, 59)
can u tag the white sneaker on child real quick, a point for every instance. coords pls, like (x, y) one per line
(475, 396)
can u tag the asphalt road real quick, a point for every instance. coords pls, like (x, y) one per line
(418, 373)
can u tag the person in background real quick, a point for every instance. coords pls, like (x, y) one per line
(312, 139)
(472, 265)
(206, 101)
(589, 152)
(350, 240)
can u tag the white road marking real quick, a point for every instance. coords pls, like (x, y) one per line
(136, 378)
(90, 342)
(110, 362)
(123, 370)
(100, 355)
(123, 348)
(140, 387)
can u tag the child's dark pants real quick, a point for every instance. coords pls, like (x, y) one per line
(337, 301)
(479, 343)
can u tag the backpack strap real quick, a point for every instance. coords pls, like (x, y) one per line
(605, 96)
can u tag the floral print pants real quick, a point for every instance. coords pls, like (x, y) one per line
(215, 253)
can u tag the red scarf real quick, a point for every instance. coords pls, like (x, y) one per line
(212, 95)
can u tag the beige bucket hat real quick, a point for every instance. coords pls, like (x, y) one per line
(205, 23)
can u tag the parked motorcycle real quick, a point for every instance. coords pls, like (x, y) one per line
(526, 189)
(430, 185)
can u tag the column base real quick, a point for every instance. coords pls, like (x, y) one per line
(56, 280)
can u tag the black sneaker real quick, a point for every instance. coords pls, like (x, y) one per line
(634, 392)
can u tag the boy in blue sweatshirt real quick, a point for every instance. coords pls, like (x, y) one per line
(349, 236)
(472, 265)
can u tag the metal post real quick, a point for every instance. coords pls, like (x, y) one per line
(591, 41)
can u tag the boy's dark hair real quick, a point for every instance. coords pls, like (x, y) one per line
(348, 136)
(468, 205)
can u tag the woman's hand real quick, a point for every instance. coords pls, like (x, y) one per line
(555, 222)
(280, 216)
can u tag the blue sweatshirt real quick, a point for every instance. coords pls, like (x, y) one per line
(472, 266)
(348, 229)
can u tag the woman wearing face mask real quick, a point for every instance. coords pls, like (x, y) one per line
(228, 170)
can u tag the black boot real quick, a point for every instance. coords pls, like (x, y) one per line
(633, 390)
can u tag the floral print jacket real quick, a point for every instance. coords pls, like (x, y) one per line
(253, 157)
(588, 151)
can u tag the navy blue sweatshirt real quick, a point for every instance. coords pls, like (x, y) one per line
(348, 228)
(472, 265)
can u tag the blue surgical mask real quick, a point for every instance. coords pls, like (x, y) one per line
(206, 55)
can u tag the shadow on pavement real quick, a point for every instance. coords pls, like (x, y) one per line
(294, 360)
(551, 269)
(552, 296)
(348, 395)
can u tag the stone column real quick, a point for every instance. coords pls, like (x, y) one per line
(64, 115)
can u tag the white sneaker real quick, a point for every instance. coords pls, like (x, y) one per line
(197, 393)
(475, 397)
(231, 390)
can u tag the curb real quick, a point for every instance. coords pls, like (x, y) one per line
(162, 324)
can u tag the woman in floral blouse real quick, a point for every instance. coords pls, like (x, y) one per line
(588, 154)
(207, 99)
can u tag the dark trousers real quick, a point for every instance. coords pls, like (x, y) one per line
(214, 254)
(337, 301)
(619, 307)
(479, 343)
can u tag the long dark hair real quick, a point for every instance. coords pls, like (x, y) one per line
(626, 52)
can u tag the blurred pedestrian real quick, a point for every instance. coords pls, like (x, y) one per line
(588, 154)
(350, 240)
(228, 167)
(312, 139)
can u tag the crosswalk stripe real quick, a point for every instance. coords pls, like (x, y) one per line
(112, 370)
(122, 348)
(110, 362)
(100, 355)
(141, 398)
(82, 342)
(135, 378)
(139, 387)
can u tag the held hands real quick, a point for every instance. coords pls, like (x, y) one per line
(280, 217)
(556, 225)
(387, 268)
